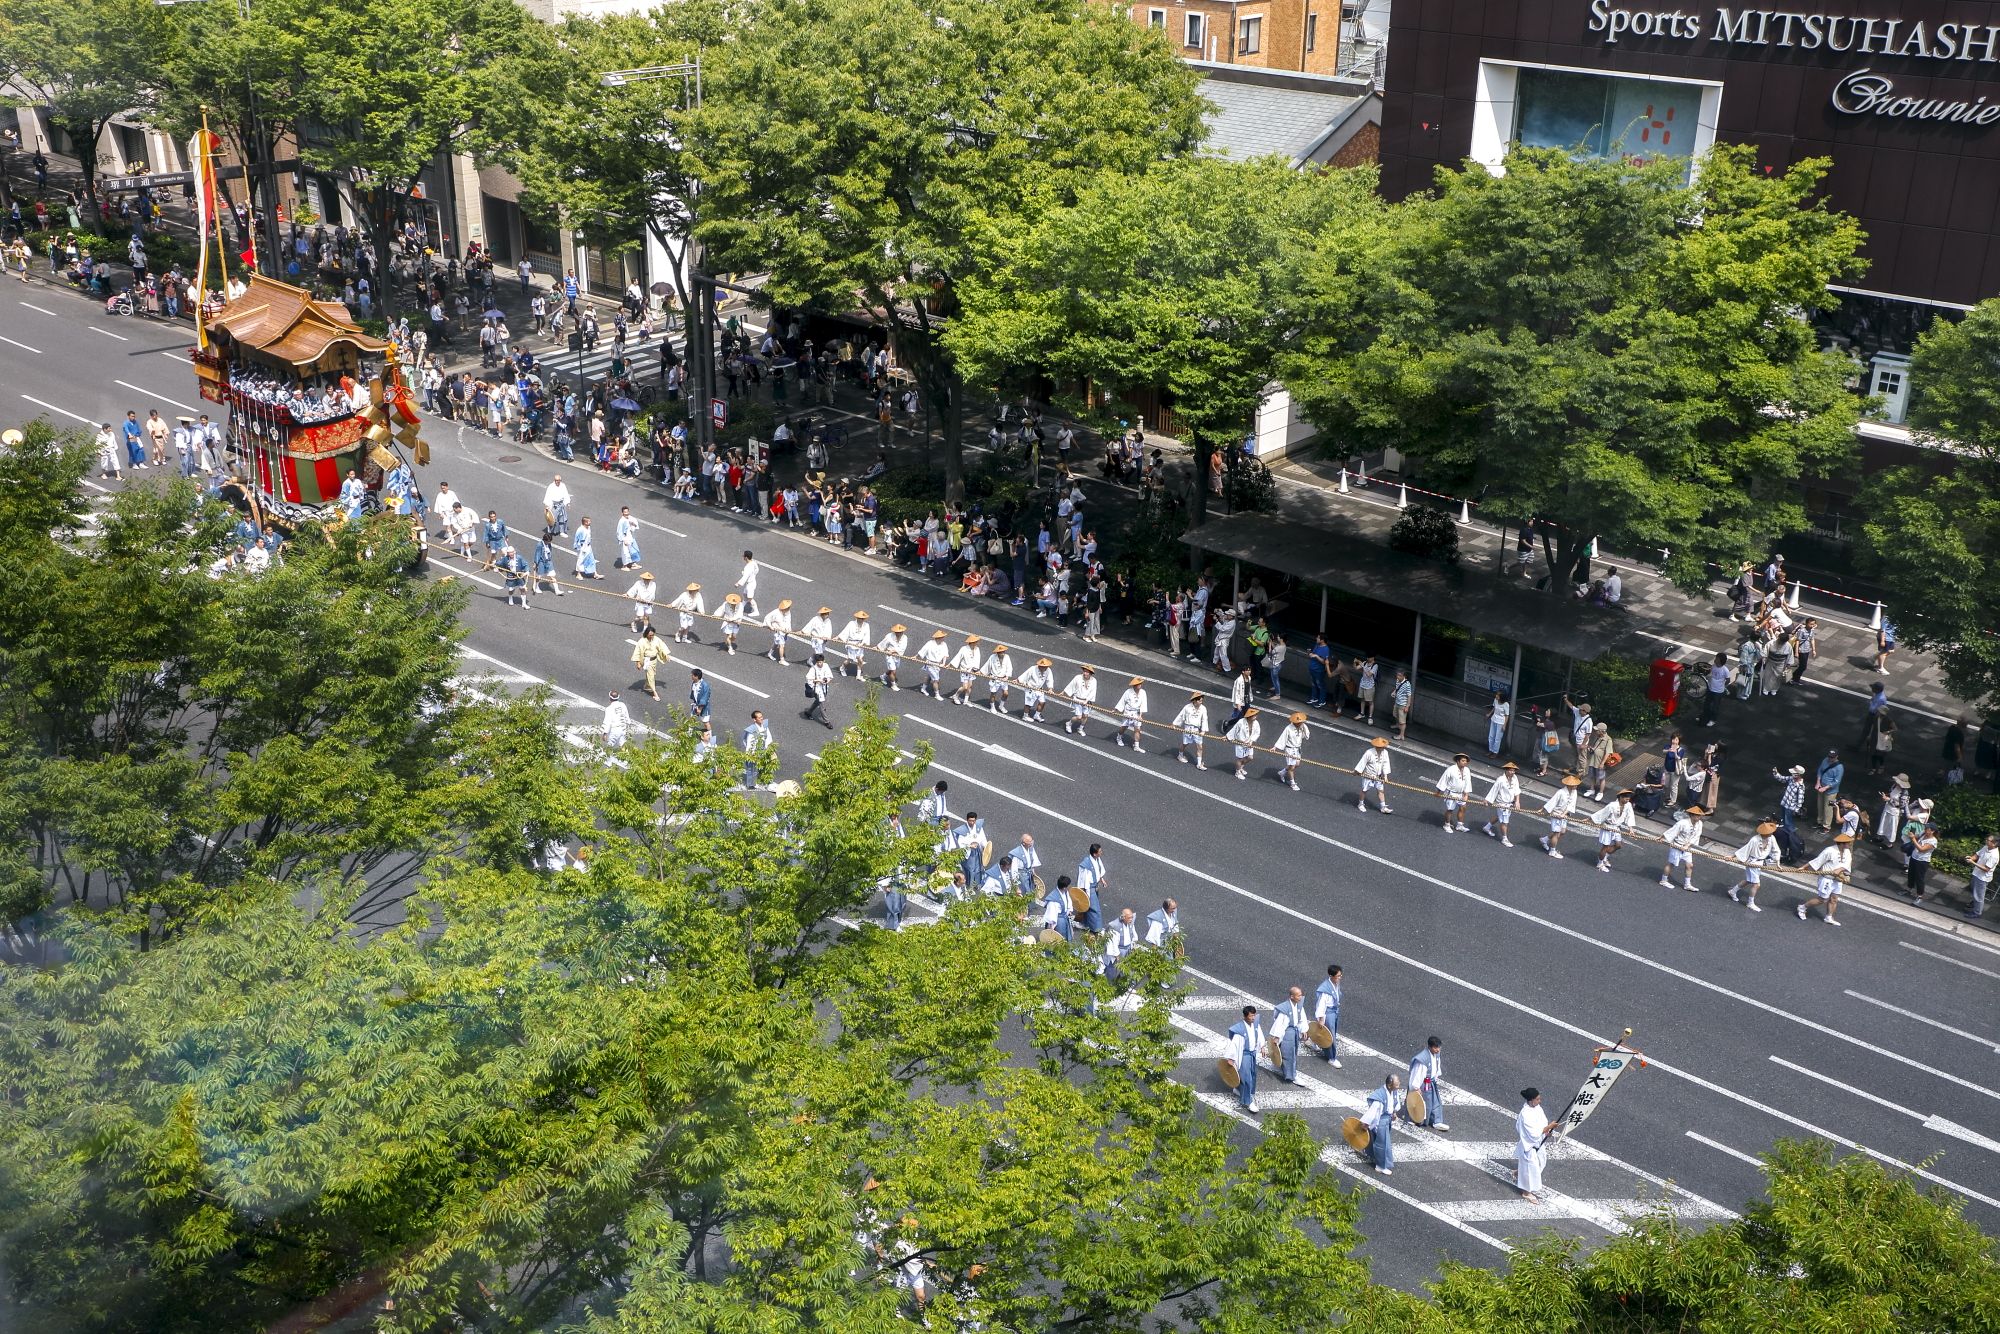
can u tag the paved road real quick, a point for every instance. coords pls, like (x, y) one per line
(1881, 1034)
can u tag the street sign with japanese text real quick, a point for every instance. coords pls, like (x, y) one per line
(718, 409)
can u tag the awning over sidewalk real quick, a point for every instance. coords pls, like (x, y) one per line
(1340, 555)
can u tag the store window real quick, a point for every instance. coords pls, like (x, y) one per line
(1607, 116)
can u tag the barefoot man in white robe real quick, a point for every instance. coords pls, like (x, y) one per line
(1531, 1126)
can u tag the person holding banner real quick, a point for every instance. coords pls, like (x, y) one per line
(1531, 1132)
(1246, 1037)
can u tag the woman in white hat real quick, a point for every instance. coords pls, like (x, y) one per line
(1895, 809)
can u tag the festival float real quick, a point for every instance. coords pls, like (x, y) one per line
(308, 394)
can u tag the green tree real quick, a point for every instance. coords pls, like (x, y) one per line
(1178, 278)
(1932, 535)
(1839, 1243)
(873, 153)
(399, 83)
(1598, 344)
(169, 734)
(86, 62)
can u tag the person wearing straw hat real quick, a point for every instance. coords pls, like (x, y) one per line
(1560, 806)
(895, 647)
(1244, 734)
(1036, 682)
(1759, 854)
(999, 673)
(1246, 1039)
(1081, 692)
(779, 623)
(689, 604)
(1504, 796)
(732, 621)
(1531, 1133)
(1456, 785)
(966, 663)
(1132, 714)
(1683, 838)
(1833, 866)
(1193, 722)
(932, 655)
(514, 573)
(1373, 766)
(1291, 746)
(1614, 821)
(855, 636)
(649, 654)
(1895, 810)
(818, 630)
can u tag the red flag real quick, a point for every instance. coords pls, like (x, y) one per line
(249, 257)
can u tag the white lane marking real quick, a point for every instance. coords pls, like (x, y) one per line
(648, 523)
(1957, 963)
(53, 408)
(763, 564)
(1925, 1019)
(155, 394)
(1877, 1099)
(177, 356)
(1948, 1127)
(713, 675)
(1546, 923)
(1695, 1206)
(108, 334)
(1720, 1147)
(32, 306)
(1000, 752)
(23, 346)
(95, 486)
(1487, 993)
(477, 579)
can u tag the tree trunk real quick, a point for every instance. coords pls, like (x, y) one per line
(951, 418)
(380, 231)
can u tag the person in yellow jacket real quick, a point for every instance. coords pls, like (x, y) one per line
(649, 654)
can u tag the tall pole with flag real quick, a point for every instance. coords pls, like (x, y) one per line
(208, 225)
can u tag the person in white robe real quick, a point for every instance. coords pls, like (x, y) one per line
(1531, 1129)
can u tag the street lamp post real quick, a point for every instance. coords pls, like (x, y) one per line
(253, 134)
(699, 318)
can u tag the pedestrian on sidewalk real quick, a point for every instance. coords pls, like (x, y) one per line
(1399, 703)
(1923, 846)
(1805, 644)
(1790, 803)
(1885, 644)
(1596, 761)
(1317, 660)
(1826, 786)
(1881, 739)
(1718, 685)
(1749, 657)
(1497, 714)
(1673, 765)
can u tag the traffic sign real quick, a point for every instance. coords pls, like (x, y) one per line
(718, 411)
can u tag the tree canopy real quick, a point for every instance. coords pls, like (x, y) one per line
(86, 61)
(1931, 535)
(867, 153)
(1599, 344)
(1179, 277)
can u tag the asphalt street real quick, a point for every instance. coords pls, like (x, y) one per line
(1881, 1035)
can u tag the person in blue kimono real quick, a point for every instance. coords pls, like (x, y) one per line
(586, 553)
(544, 564)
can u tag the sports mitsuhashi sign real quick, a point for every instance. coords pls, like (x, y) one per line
(1862, 92)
